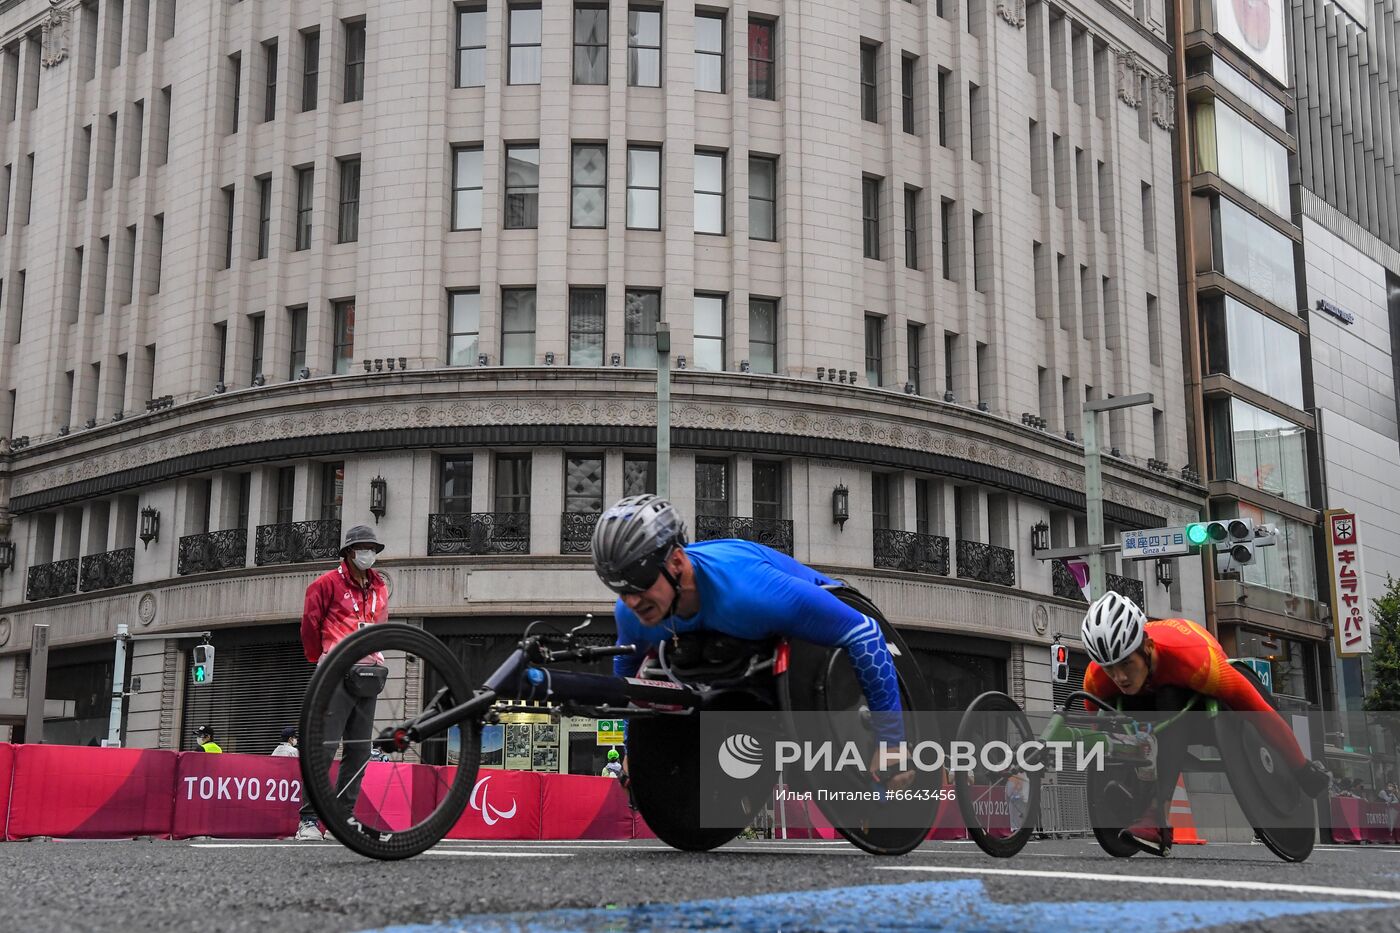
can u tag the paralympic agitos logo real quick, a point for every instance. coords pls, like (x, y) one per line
(490, 815)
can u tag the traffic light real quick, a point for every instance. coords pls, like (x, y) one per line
(202, 665)
(1059, 663)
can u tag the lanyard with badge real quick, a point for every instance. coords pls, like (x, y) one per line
(355, 604)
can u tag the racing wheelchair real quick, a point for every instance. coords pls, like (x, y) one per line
(1002, 809)
(429, 720)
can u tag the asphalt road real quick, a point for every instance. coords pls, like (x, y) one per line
(750, 886)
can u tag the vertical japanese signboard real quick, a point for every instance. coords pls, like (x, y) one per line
(1350, 607)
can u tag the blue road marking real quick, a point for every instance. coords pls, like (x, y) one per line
(951, 906)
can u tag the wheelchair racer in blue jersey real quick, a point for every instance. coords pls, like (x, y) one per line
(667, 587)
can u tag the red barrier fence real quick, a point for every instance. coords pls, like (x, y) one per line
(1355, 820)
(90, 793)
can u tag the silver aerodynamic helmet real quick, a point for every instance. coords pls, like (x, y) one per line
(632, 540)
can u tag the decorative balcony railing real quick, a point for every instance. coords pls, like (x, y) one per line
(911, 551)
(49, 580)
(576, 532)
(1127, 586)
(217, 550)
(1063, 583)
(104, 571)
(773, 532)
(297, 542)
(454, 533)
(986, 563)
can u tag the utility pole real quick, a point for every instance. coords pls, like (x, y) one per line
(1093, 482)
(663, 409)
(114, 717)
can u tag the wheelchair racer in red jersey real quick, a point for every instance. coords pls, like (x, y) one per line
(1156, 666)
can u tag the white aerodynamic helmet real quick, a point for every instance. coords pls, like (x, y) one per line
(1113, 629)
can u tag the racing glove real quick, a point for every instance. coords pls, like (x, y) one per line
(1313, 778)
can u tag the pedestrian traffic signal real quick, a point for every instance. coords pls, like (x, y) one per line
(202, 665)
(1059, 663)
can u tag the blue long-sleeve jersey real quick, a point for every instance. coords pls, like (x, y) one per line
(753, 592)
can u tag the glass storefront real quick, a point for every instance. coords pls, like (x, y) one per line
(1251, 348)
(1255, 255)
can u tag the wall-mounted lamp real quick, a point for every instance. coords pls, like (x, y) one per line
(840, 505)
(7, 555)
(1164, 573)
(150, 526)
(1040, 537)
(378, 497)
(549, 358)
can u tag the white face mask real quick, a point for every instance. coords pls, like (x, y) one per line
(364, 559)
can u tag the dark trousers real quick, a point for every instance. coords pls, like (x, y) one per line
(350, 719)
(1171, 744)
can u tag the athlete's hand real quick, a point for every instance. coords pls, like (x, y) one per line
(886, 767)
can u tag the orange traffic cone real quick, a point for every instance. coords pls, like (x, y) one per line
(1183, 827)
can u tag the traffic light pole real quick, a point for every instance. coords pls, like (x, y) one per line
(1093, 483)
(663, 410)
(118, 706)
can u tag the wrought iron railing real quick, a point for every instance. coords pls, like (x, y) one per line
(106, 570)
(216, 550)
(46, 581)
(1127, 586)
(911, 551)
(1063, 583)
(773, 532)
(452, 533)
(297, 542)
(576, 532)
(987, 563)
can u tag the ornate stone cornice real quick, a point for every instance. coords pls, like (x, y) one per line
(1129, 87)
(1013, 11)
(1139, 86)
(1164, 103)
(58, 26)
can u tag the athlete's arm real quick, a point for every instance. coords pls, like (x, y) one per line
(1236, 692)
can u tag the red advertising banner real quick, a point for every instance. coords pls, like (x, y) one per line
(396, 794)
(1355, 820)
(503, 805)
(236, 796)
(90, 793)
(7, 757)
(582, 806)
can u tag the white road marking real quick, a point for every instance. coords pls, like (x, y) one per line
(497, 853)
(1318, 889)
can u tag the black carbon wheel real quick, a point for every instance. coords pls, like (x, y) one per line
(994, 716)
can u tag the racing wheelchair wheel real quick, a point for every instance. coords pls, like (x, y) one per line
(821, 679)
(983, 797)
(414, 793)
(1109, 836)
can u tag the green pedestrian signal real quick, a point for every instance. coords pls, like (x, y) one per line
(202, 665)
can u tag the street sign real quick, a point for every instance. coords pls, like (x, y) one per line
(1264, 669)
(1155, 542)
(610, 731)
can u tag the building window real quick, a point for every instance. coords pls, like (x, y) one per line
(874, 350)
(235, 67)
(590, 44)
(709, 52)
(343, 346)
(354, 61)
(870, 215)
(638, 476)
(229, 217)
(466, 189)
(767, 490)
(264, 215)
(869, 90)
(976, 123)
(763, 335)
(517, 326)
(583, 484)
(270, 80)
(911, 228)
(643, 47)
(305, 180)
(1251, 348)
(981, 255)
(296, 357)
(513, 484)
(880, 501)
(455, 491)
(943, 76)
(463, 327)
(763, 198)
(763, 75)
(945, 216)
(915, 334)
(1149, 220)
(220, 340)
(709, 192)
(332, 490)
(712, 487)
(590, 185)
(522, 187)
(257, 328)
(640, 313)
(348, 229)
(471, 46)
(586, 316)
(709, 332)
(1242, 154)
(643, 189)
(311, 67)
(1254, 254)
(1258, 449)
(524, 45)
(906, 85)
(286, 494)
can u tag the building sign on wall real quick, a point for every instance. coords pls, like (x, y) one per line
(1255, 27)
(1350, 607)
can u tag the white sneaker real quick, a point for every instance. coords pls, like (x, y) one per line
(308, 830)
